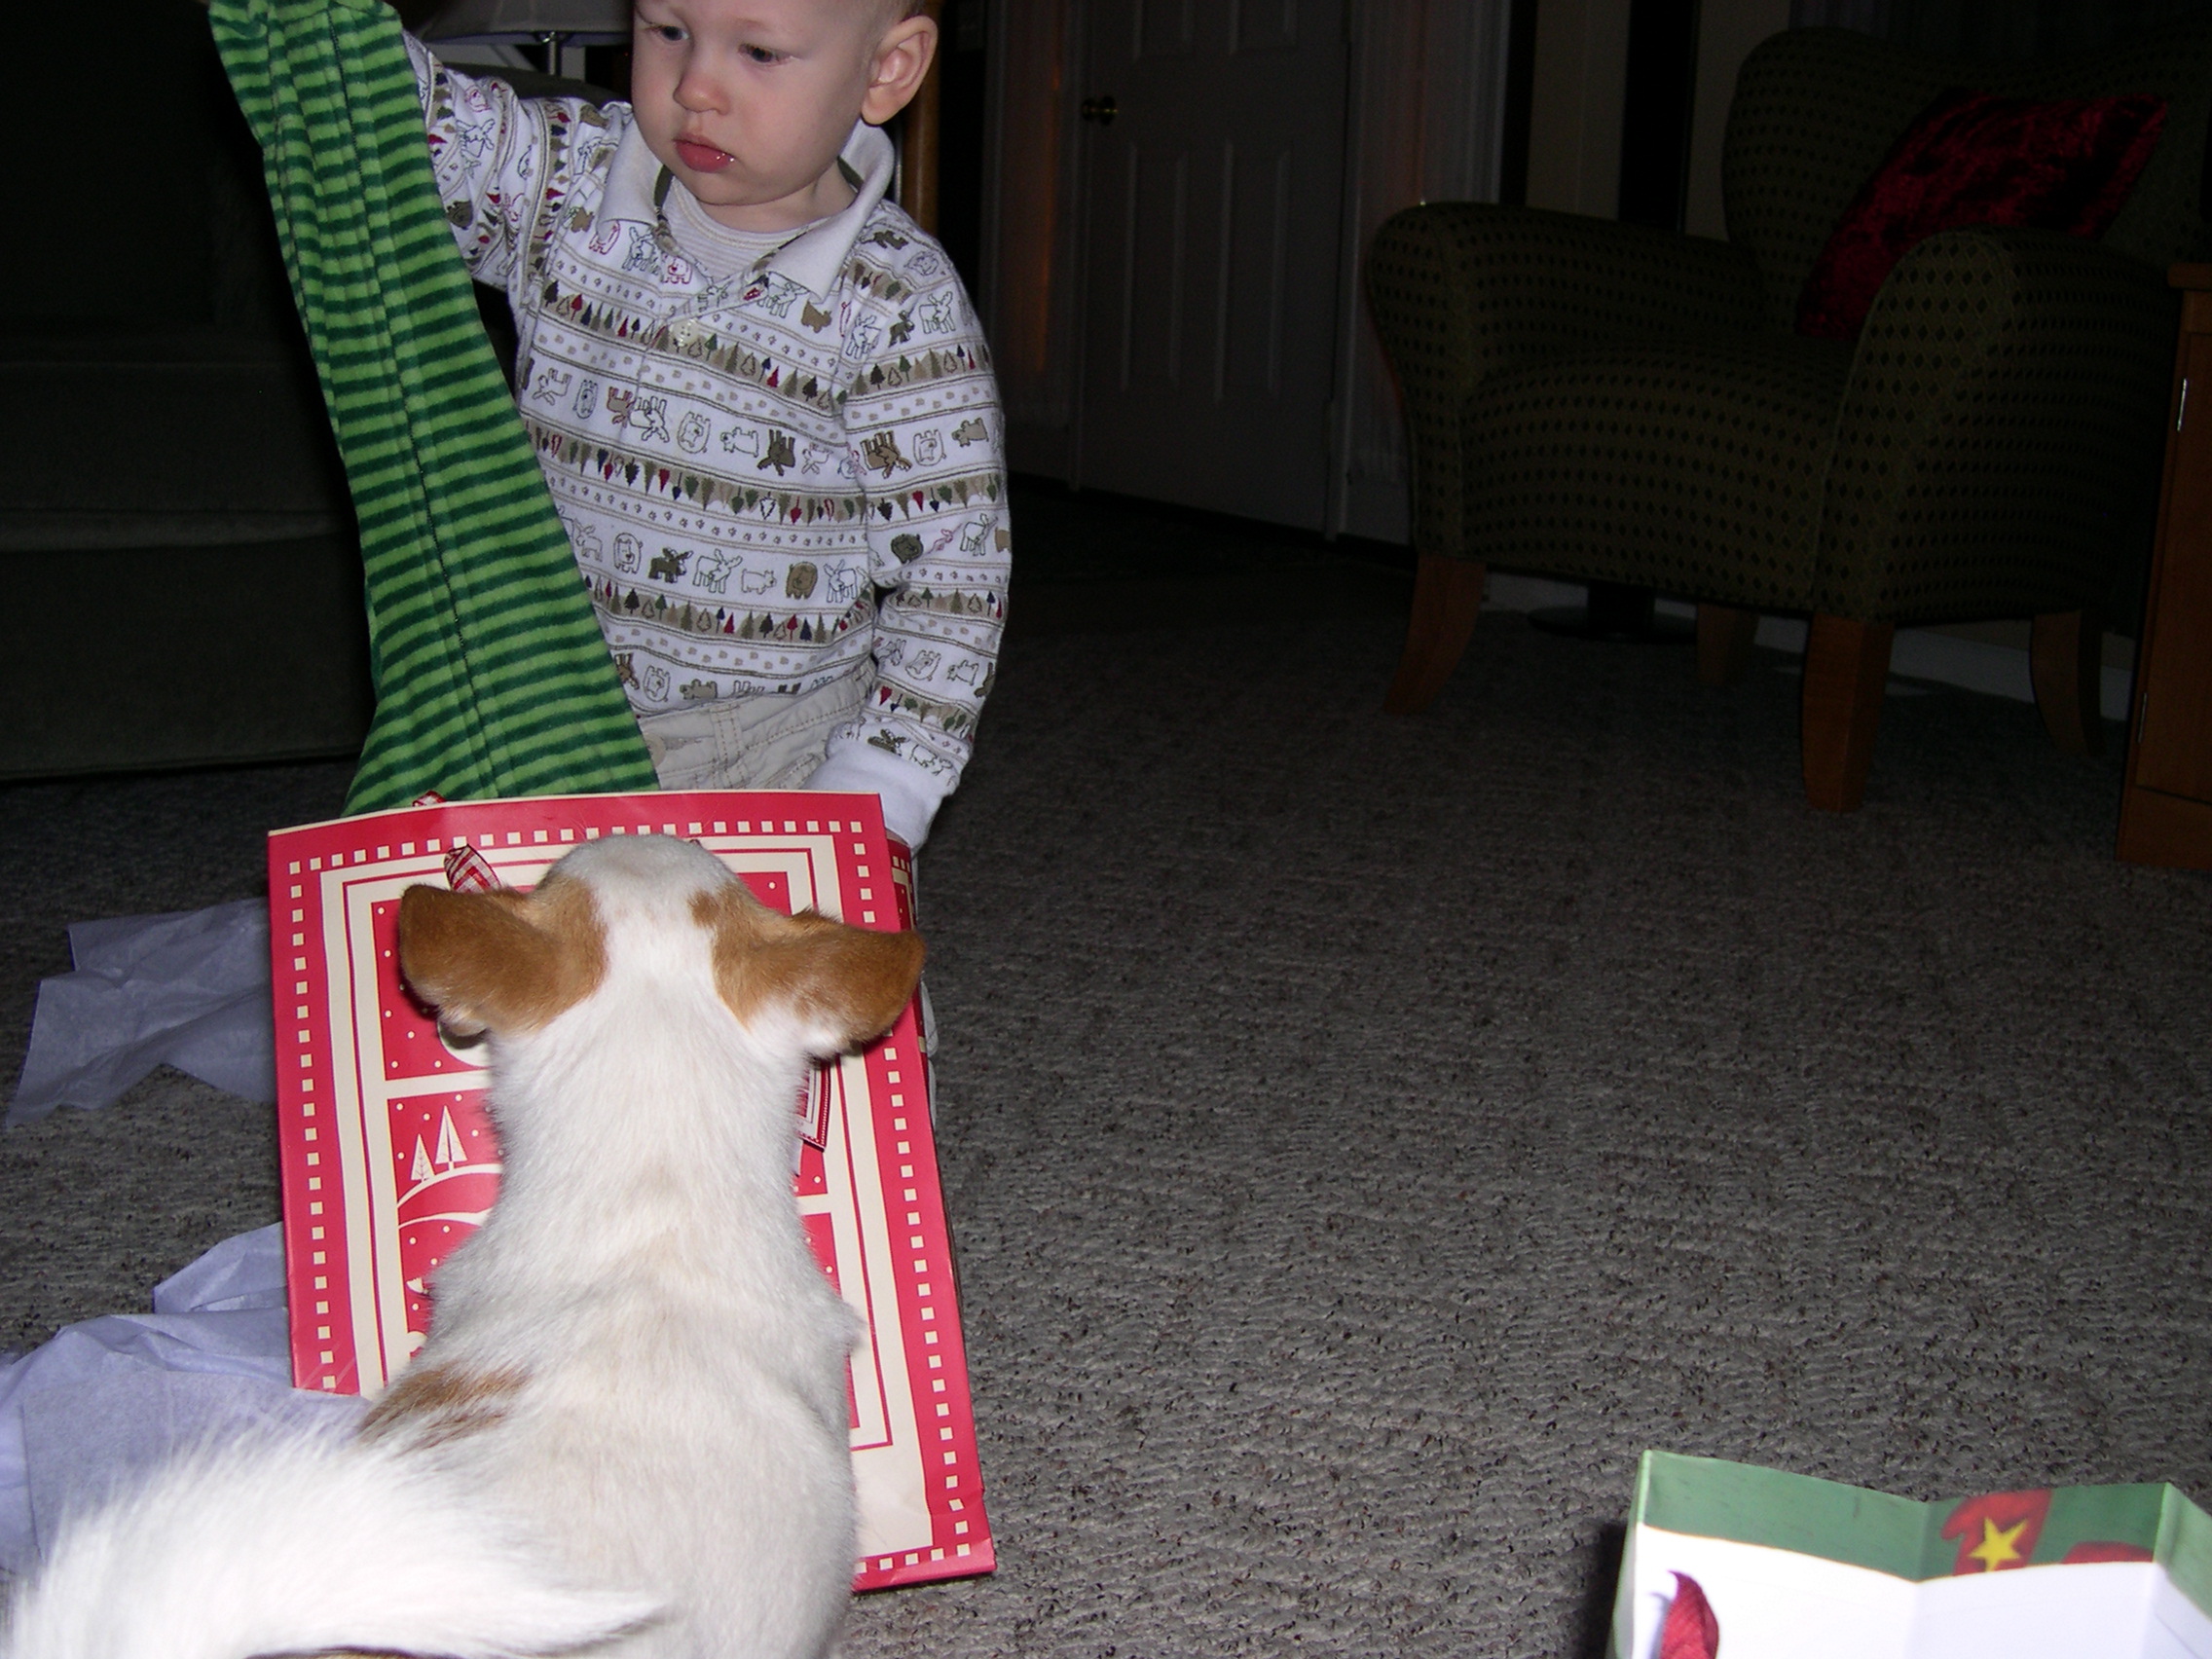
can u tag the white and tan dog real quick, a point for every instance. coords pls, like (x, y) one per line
(629, 1425)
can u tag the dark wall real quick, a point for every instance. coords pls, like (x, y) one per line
(1656, 112)
(2012, 29)
(960, 138)
(121, 135)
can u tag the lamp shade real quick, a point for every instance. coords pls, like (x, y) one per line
(529, 20)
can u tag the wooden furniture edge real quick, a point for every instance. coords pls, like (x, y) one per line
(2160, 828)
(2157, 828)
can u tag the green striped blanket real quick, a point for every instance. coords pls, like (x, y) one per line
(491, 676)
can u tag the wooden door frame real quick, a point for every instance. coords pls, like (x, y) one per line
(919, 125)
(1077, 210)
(1039, 413)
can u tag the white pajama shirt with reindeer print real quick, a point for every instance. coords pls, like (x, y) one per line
(776, 472)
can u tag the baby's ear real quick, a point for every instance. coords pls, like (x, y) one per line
(901, 58)
(844, 985)
(500, 961)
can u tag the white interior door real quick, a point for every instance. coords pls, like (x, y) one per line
(1214, 199)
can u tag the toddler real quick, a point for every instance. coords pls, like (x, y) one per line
(758, 393)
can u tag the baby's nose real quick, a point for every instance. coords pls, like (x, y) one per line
(698, 92)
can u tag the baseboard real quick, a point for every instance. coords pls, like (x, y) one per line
(1376, 510)
(1920, 654)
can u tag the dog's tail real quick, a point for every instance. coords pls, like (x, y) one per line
(304, 1544)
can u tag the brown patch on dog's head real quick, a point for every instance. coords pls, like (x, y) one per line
(847, 983)
(501, 961)
(432, 1404)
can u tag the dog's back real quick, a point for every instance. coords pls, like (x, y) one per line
(637, 1357)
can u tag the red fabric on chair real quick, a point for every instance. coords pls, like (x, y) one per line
(1972, 158)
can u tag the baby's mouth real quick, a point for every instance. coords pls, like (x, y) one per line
(701, 157)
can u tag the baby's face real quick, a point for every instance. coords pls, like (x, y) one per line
(747, 102)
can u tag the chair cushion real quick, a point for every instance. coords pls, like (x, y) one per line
(1975, 158)
(1694, 466)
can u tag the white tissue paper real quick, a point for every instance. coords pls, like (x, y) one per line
(109, 1398)
(190, 989)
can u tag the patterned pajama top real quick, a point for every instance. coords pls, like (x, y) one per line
(774, 472)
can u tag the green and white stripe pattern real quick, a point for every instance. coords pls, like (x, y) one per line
(491, 679)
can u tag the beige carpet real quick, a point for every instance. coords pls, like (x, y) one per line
(1364, 1137)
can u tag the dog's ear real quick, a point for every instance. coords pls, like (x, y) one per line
(500, 961)
(845, 986)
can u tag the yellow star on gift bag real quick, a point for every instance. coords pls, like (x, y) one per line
(2000, 1546)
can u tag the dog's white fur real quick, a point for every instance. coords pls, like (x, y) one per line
(629, 1425)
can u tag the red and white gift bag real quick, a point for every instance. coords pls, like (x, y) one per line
(389, 1159)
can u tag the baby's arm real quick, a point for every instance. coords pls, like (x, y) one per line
(502, 161)
(926, 434)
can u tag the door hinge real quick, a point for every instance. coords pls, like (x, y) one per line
(2180, 409)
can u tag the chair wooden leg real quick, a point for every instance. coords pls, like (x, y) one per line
(2066, 662)
(1448, 592)
(1724, 638)
(1847, 666)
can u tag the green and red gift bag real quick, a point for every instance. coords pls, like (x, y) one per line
(1724, 1558)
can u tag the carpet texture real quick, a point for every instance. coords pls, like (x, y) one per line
(1363, 1136)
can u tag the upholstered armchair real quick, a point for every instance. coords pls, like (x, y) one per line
(1613, 403)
